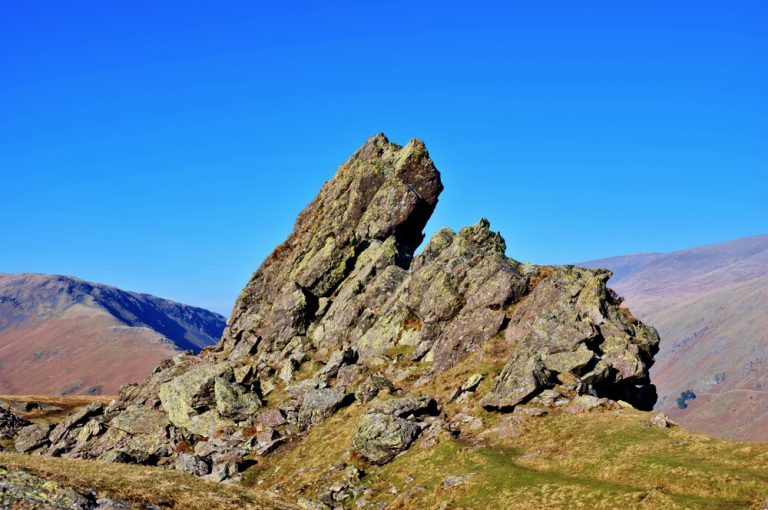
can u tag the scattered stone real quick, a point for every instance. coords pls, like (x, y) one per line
(466, 422)
(371, 387)
(271, 418)
(411, 493)
(91, 429)
(267, 436)
(73, 420)
(531, 411)
(115, 504)
(452, 481)
(265, 448)
(430, 436)
(319, 404)
(267, 387)
(660, 420)
(338, 359)
(192, 464)
(472, 383)
(548, 397)
(587, 403)
(225, 465)
(348, 374)
(407, 406)
(310, 504)
(243, 374)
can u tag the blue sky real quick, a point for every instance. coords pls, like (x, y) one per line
(167, 147)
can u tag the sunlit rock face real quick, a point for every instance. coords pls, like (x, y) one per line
(342, 313)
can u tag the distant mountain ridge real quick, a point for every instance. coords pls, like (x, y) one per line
(710, 305)
(63, 335)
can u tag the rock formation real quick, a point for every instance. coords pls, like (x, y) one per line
(709, 303)
(342, 314)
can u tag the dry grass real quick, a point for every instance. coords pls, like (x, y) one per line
(298, 467)
(597, 460)
(610, 459)
(143, 485)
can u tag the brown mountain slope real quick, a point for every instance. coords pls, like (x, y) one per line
(62, 335)
(710, 305)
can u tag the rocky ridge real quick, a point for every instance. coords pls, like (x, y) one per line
(63, 326)
(342, 314)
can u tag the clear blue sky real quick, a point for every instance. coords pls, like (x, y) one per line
(167, 147)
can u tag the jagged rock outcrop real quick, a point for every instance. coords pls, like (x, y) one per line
(367, 219)
(342, 312)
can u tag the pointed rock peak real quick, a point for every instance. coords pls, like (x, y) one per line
(382, 192)
(480, 233)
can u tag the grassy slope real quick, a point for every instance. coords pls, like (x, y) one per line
(609, 459)
(597, 460)
(141, 484)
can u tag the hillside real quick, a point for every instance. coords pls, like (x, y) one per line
(597, 460)
(709, 305)
(356, 374)
(61, 335)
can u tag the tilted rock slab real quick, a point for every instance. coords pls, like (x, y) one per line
(342, 310)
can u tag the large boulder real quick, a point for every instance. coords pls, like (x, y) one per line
(320, 403)
(188, 399)
(32, 437)
(390, 426)
(380, 437)
(234, 400)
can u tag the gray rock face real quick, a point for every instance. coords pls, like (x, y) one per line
(319, 404)
(390, 427)
(342, 311)
(383, 193)
(574, 333)
(380, 437)
(32, 437)
(522, 378)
